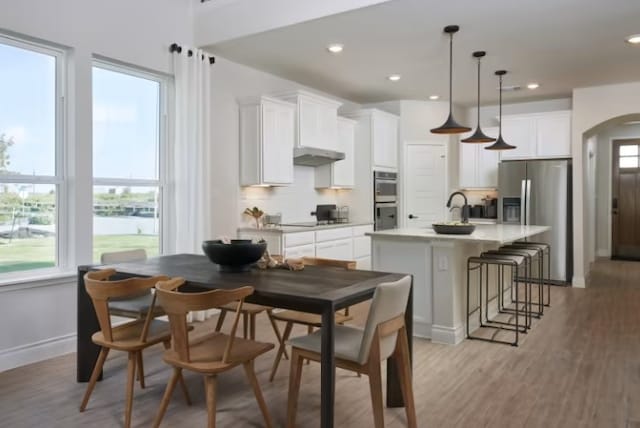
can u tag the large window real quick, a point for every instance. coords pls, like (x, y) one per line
(31, 176)
(128, 131)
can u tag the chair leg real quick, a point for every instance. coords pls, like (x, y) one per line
(166, 398)
(223, 314)
(375, 385)
(281, 350)
(140, 371)
(245, 325)
(251, 375)
(277, 332)
(309, 331)
(404, 369)
(183, 385)
(131, 376)
(252, 326)
(94, 377)
(210, 388)
(294, 387)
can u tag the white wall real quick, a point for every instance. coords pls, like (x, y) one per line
(594, 109)
(138, 33)
(603, 183)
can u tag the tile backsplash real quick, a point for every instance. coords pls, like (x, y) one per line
(294, 202)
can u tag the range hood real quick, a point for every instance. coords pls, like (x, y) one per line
(309, 156)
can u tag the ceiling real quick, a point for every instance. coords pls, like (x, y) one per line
(561, 44)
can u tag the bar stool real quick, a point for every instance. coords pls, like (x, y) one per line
(543, 249)
(482, 263)
(537, 276)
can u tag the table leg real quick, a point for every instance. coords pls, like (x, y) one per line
(394, 391)
(327, 368)
(87, 354)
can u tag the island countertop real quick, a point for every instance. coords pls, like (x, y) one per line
(484, 233)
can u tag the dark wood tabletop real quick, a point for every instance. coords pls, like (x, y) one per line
(316, 289)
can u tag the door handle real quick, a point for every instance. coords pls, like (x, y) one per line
(614, 203)
(411, 216)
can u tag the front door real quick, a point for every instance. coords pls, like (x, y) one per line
(625, 206)
(425, 184)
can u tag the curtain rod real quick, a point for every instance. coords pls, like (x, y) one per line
(177, 48)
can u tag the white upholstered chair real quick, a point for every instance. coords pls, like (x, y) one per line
(362, 350)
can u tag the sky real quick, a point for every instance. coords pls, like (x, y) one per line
(125, 117)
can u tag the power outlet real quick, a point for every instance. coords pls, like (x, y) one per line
(443, 263)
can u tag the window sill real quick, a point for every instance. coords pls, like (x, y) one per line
(37, 280)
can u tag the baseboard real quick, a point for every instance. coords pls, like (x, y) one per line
(578, 282)
(421, 328)
(603, 252)
(37, 351)
(447, 335)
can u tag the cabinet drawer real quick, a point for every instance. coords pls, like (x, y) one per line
(361, 230)
(333, 234)
(299, 238)
(361, 246)
(363, 263)
(338, 250)
(300, 251)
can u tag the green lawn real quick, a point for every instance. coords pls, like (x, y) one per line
(37, 253)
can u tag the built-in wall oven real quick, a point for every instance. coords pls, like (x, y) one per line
(385, 188)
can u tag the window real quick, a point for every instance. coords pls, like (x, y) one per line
(128, 131)
(31, 173)
(628, 156)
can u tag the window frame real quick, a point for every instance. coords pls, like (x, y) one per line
(60, 178)
(163, 131)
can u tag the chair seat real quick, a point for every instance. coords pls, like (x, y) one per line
(249, 308)
(517, 259)
(126, 337)
(347, 342)
(135, 307)
(530, 252)
(206, 354)
(305, 318)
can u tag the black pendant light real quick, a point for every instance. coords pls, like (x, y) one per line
(500, 144)
(450, 126)
(478, 136)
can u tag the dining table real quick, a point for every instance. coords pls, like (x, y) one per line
(316, 289)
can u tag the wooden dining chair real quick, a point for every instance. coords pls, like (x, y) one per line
(132, 337)
(290, 317)
(210, 355)
(359, 350)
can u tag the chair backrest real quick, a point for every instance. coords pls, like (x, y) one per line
(389, 302)
(101, 290)
(318, 261)
(177, 304)
(110, 258)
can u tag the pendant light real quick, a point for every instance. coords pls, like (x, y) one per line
(450, 126)
(500, 144)
(478, 136)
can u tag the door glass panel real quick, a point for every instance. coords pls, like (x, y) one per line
(629, 162)
(628, 150)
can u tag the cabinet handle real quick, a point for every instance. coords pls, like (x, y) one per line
(413, 216)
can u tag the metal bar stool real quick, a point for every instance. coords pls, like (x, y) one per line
(537, 252)
(481, 264)
(528, 278)
(543, 248)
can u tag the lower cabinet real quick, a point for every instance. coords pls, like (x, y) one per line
(308, 250)
(339, 250)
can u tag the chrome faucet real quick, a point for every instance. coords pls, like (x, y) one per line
(464, 211)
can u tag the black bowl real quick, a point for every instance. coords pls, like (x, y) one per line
(238, 256)
(454, 229)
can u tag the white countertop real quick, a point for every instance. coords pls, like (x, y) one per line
(293, 229)
(488, 233)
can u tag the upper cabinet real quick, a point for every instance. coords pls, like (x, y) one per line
(379, 131)
(317, 120)
(340, 174)
(478, 167)
(539, 135)
(267, 135)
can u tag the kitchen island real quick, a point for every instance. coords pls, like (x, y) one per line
(438, 264)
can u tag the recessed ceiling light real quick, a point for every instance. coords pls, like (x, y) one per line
(434, 97)
(533, 85)
(335, 48)
(394, 77)
(634, 40)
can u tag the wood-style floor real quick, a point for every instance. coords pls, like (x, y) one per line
(578, 367)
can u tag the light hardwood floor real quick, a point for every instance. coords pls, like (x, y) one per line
(578, 367)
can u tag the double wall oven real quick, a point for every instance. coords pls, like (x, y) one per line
(385, 196)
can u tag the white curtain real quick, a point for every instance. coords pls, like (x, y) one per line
(189, 159)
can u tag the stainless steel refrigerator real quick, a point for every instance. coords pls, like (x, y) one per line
(538, 192)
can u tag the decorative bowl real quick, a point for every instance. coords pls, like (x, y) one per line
(238, 256)
(454, 228)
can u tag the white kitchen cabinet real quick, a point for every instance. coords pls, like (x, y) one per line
(340, 174)
(539, 135)
(266, 141)
(385, 140)
(478, 167)
(300, 251)
(341, 249)
(316, 120)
